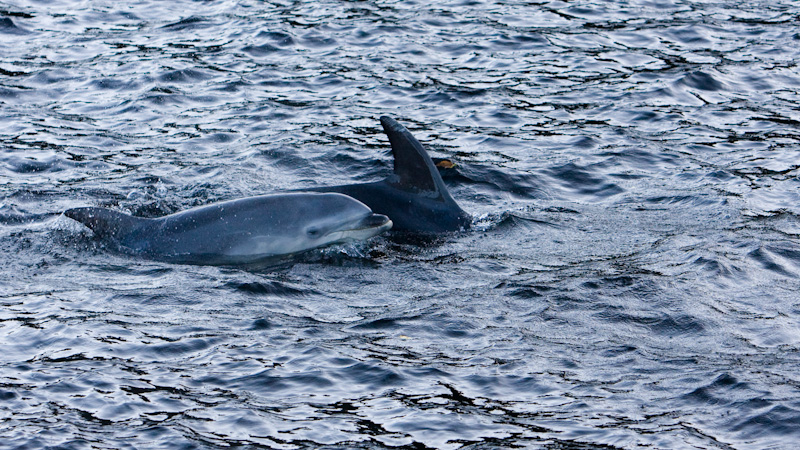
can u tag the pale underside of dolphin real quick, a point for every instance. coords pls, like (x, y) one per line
(238, 231)
(414, 197)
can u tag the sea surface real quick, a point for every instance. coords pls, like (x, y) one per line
(631, 278)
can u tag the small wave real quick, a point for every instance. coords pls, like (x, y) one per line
(183, 76)
(189, 23)
(701, 80)
(583, 181)
(182, 347)
(24, 218)
(278, 38)
(779, 420)
(775, 262)
(274, 288)
(29, 165)
(497, 179)
(725, 389)
(7, 26)
(381, 324)
(260, 50)
(261, 325)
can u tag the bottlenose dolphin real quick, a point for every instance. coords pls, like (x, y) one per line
(238, 231)
(414, 197)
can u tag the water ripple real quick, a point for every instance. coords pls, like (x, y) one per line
(630, 280)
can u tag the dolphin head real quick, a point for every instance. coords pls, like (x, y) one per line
(338, 218)
(299, 221)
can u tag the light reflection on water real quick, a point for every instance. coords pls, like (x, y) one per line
(630, 280)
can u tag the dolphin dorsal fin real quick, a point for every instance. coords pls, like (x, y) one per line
(105, 222)
(412, 165)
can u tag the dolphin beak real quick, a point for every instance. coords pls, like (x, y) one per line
(369, 226)
(376, 221)
(365, 228)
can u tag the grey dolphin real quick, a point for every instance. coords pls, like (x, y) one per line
(238, 231)
(414, 197)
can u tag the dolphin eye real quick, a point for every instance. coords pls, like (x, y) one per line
(313, 232)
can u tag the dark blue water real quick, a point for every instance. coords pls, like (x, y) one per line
(631, 279)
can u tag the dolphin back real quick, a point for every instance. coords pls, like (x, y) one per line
(414, 197)
(107, 223)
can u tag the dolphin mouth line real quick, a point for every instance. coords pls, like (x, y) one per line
(366, 228)
(374, 221)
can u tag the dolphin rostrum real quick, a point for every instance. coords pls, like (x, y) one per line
(238, 231)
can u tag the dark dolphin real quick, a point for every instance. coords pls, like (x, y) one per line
(414, 197)
(239, 231)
